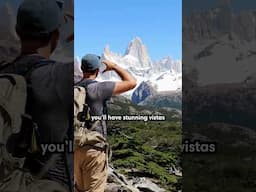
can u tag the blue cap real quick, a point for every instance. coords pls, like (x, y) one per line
(38, 17)
(90, 62)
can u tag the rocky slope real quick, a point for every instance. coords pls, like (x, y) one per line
(218, 21)
(169, 99)
(143, 91)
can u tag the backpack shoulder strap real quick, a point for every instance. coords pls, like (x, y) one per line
(8, 65)
(85, 82)
(30, 64)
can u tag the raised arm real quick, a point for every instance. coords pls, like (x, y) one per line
(128, 81)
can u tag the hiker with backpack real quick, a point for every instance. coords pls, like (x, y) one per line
(43, 91)
(91, 154)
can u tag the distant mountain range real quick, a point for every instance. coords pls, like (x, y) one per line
(218, 21)
(219, 45)
(164, 75)
(152, 77)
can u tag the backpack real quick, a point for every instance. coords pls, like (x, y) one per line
(18, 132)
(21, 180)
(12, 86)
(13, 95)
(85, 133)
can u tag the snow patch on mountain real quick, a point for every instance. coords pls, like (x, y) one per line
(167, 81)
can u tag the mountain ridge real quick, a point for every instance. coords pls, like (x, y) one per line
(163, 75)
(137, 61)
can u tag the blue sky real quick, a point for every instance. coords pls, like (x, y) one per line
(116, 23)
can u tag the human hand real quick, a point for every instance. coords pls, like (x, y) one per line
(109, 65)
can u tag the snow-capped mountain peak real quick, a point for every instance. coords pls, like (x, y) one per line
(138, 50)
(134, 46)
(164, 75)
(168, 63)
(107, 49)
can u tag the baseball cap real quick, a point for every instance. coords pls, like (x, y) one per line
(38, 17)
(90, 62)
